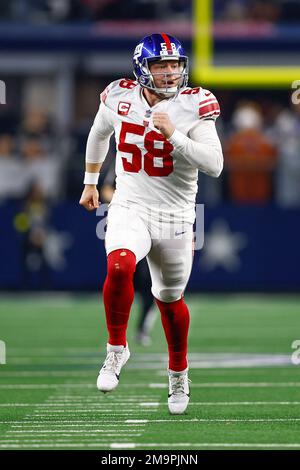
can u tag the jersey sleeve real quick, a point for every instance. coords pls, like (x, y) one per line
(209, 107)
(103, 122)
(105, 95)
(99, 135)
(202, 149)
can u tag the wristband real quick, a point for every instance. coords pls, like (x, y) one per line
(91, 178)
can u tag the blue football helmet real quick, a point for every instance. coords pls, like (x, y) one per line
(155, 48)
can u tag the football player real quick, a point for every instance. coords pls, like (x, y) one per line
(165, 132)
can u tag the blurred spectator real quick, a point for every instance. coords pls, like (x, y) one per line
(43, 247)
(37, 123)
(4, 10)
(60, 11)
(68, 10)
(13, 179)
(234, 10)
(286, 133)
(42, 168)
(250, 158)
(118, 9)
(273, 11)
(44, 11)
(64, 11)
(264, 10)
(35, 269)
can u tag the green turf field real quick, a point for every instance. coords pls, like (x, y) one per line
(245, 392)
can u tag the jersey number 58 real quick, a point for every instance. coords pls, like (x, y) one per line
(162, 157)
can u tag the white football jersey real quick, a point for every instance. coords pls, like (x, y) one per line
(149, 171)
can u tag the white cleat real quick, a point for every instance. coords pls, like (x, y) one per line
(116, 358)
(179, 392)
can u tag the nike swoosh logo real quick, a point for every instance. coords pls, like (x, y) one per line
(179, 233)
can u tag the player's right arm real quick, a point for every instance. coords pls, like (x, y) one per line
(96, 151)
(90, 195)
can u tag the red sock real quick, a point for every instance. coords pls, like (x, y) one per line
(175, 318)
(118, 294)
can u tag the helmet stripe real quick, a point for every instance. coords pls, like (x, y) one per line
(167, 41)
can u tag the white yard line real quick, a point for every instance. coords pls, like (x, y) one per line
(70, 405)
(229, 403)
(81, 436)
(44, 386)
(85, 353)
(102, 422)
(121, 396)
(233, 385)
(31, 445)
(72, 431)
(28, 421)
(131, 445)
(117, 422)
(50, 373)
(108, 399)
(95, 410)
(111, 414)
(131, 427)
(154, 385)
(216, 420)
(56, 443)
(109, 432)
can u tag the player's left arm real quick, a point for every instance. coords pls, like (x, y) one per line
(202, 148)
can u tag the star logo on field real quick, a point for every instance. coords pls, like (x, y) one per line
(55, 246)
(222, 247)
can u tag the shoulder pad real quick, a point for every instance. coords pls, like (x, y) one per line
(117, 88)
(209, 107)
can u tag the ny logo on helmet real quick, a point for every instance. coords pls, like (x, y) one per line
(138, 52)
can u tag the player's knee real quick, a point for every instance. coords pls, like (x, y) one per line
(120, 265)
(168, 295)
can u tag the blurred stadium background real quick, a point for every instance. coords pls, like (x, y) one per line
(56, 56)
